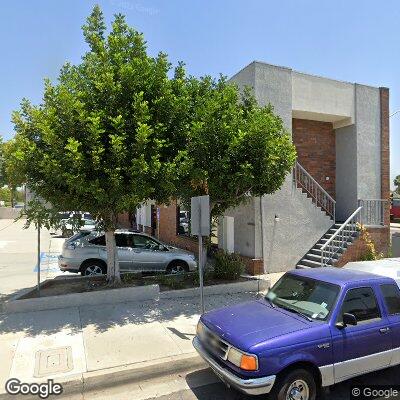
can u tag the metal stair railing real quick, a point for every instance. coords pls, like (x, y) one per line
(340, 238)
(319, 195)
(373, 212)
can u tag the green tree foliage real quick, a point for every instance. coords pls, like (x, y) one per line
(2, 165)
(103, 139)
(397, 184)
(119, 129)
(10, 172)
(234, 149)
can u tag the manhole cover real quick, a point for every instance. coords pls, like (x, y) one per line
(53, 361)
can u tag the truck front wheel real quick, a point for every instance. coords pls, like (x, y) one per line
(296, 385)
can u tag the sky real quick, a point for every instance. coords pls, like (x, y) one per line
(350, 40)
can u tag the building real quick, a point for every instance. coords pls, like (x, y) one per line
(341, 133)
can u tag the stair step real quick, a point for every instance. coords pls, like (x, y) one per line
(314, 257)
(311, 263)
(334, 230)
(318, 252)
(301, 266)
(324, 239)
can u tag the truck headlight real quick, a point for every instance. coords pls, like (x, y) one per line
(200, 330)
(247, 362)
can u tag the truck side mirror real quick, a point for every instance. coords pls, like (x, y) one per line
(348, 319)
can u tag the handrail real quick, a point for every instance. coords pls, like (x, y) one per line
(320, 196)
(373, 211)
(340, 237)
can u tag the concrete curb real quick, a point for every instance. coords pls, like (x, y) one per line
(110, 296)
(253, 285)
(130, 374)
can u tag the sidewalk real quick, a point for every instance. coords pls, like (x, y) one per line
(99, 340)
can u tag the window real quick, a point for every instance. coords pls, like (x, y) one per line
(396, 202)
(124, 240)
(308, 296)
(362, 304)
(99, 240)
(144, 242)
(391, 294)
(182, 220)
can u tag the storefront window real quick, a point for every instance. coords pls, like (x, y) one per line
(182, 220)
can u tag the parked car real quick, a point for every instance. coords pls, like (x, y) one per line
(314, 328)
(395, 210)
(86, 253)
(68, 222)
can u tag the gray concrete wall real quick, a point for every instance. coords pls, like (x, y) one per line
(368, 142)
(9, 213)
(346, 172)
(245, 77)
(244, 228)
(273, 85)
(300, 226)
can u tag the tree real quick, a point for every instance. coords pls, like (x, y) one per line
(397, 183)
(2, 172)
(11, 174)
(116, 131)
(234, 149)
(103, 139)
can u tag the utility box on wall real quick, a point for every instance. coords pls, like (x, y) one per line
(228, 227)
(396, 244)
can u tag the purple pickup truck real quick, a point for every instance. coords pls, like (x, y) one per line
(314, 328)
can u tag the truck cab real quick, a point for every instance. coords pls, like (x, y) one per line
(314, 328)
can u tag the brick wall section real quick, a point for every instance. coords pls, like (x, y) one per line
(168, 230)
(380, 237)
(316, 150)
(385, 154)
(254, 266)
(123, 220)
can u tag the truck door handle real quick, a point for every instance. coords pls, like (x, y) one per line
(384, 330)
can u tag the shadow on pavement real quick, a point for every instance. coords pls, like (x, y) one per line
(104, 317)
(341, 391)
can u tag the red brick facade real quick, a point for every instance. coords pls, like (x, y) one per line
(380, 237)
(254, 266)
(168, 229)
(316, 150)
(385, 154)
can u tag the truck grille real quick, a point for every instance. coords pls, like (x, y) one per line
(215, 345)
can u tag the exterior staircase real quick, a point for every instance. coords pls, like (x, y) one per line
(333, 244)
(313, 258)
(328, 250)
(318, 195)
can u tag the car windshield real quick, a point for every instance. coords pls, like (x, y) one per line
(309, 297)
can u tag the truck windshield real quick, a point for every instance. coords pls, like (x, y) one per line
(310, 297)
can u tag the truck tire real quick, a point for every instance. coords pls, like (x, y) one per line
(299, 383)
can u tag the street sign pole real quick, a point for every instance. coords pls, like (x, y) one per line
(200, 226)
(201, 273)
(38, 259)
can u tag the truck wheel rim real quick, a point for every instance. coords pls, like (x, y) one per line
(93, 270)
(298, 390)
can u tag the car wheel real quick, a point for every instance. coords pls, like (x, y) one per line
(177, 267)
(93, 268)
(296, 385)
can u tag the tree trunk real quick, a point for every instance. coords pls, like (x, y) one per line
(12, 197)
(113, 274)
